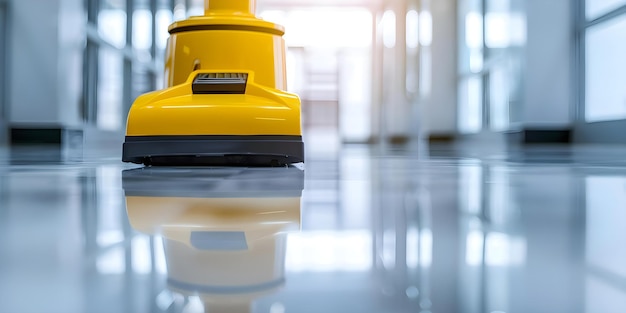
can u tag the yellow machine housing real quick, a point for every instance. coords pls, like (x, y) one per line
(225, 100)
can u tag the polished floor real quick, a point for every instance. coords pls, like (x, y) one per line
(356, 229)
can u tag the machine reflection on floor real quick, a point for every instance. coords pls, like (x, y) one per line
(224, 229)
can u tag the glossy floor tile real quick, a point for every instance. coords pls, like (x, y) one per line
(357, 229)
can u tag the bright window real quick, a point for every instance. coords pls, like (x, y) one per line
(606, 71)
(596, 8)
(110, 89)
(499, 81)
(471, 105)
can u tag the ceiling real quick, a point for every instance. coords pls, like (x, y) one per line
(284, 4)
(317, 3)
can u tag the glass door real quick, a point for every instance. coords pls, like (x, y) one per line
(491, 43)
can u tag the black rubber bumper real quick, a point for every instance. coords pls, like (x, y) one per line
(261, 150)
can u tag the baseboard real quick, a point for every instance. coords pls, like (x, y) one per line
(441, 138)
(399, 139)
(540, 136)
(394, 140)
(49, 136)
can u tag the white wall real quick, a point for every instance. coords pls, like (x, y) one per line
(548, 90)
(45, 62)
(3, 64)
(72, 39)
(439, 106)
(395, 103)
(434, 109)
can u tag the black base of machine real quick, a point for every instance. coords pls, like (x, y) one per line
(203, 150)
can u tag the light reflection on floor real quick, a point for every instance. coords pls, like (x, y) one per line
(360, 230)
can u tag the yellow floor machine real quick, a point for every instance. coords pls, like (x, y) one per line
(225, 101)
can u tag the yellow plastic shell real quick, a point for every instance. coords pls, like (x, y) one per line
(239, 50)
(176, 111)
(228, 39)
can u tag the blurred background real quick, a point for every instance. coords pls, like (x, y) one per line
(368, 71)
(382, 227)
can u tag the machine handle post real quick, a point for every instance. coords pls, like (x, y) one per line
(238, 7)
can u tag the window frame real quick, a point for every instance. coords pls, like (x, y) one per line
(133, 65)
(609, 131)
